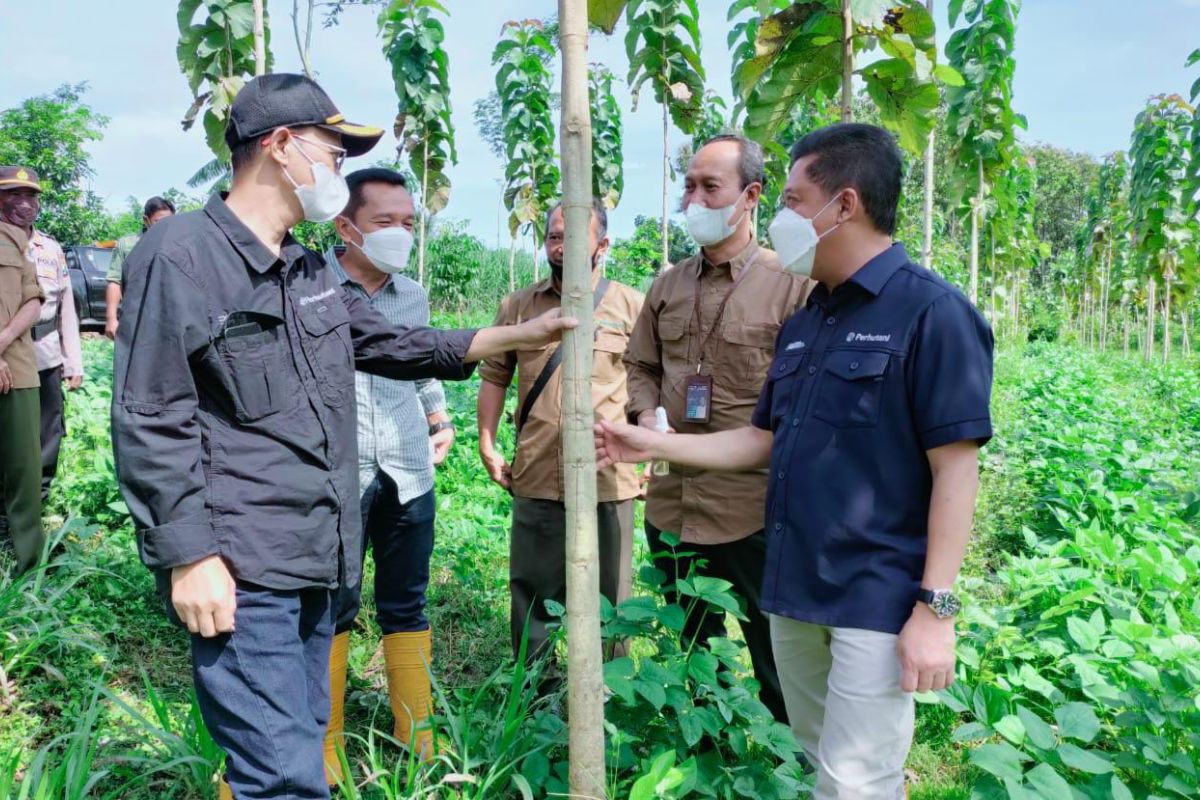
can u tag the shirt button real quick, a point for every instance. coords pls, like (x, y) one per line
(795, 422)
(780, 474)
(812, 370)
(830, 321)
(778, 526)
(853, 365)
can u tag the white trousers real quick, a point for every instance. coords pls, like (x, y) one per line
(843, 696)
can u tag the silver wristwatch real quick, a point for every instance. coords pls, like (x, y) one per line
(942, 602)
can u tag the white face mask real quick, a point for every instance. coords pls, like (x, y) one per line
(711, 225)
(326, 197)
(387, 248)
(795, 238)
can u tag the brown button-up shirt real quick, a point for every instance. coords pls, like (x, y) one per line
(537, 470)
(18, 285)
(710, 507)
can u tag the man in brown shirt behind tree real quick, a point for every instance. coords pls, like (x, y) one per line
(537, 555)
(701, 349)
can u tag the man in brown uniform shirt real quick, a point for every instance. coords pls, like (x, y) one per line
(701, 349)
(537, 557)
(20, 445)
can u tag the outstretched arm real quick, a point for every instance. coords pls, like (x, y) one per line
(734, 450)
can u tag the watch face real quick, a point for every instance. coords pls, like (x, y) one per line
(945, 604)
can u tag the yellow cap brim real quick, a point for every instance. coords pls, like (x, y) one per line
(357, 139)
(17, 183)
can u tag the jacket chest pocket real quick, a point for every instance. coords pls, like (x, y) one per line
(745, 352)
(784, 381)
(851, 390)
(253, 351)
(330, 354)
(607, 351)
(673, 333)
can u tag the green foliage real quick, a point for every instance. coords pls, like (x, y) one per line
(412, 43)
(980, 120)
(608, 164)
(686, 720)
(50, 133)
(663, 45)
(634, 261)
(524, 81)
(1163, 229)
(790, 52)
(216, 54)
(1080, 656)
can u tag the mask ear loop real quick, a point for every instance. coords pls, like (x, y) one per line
(836, 225)
(745, 211)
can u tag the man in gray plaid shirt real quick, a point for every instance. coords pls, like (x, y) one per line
(403, 432)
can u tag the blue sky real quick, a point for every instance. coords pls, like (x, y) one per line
(1084, 69)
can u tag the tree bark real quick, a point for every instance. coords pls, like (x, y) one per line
(976, 212)
(1104, 295)
(585, 679)
(1150, 316)
(666, 225)
(260, 40)
(1167, 277)
(512, 258)
(927, 244)
(423, 212)
(847, 62)
(303, 43)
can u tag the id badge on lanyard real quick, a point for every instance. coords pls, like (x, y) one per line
(698, 395)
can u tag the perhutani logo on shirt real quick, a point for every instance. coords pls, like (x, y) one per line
(868, 337)
(325, 295)
(794, 346)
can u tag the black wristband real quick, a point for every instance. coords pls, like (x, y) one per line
(444, 425)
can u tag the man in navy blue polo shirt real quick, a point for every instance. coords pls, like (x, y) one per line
(872, 417)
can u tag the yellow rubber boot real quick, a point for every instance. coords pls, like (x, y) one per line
(334, 736)
(223, 790)
(408, 656)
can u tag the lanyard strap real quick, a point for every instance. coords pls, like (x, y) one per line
(720, 308)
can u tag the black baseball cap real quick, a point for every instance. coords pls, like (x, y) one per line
(285, 100)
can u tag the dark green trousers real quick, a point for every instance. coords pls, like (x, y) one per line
(21, 473)
(537, 566)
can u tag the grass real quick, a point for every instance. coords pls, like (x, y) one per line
(95, 692)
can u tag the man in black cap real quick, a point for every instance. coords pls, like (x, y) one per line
(235, 434)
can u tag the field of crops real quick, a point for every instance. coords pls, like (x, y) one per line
(1080, 665)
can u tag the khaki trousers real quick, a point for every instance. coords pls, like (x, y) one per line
(843, 696)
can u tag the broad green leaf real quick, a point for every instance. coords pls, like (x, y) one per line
(1039, 731)
(1083, 633)
(1002, 760)
(1084, 760)
(1011, 728)
(1077, 721)
(1047, 783)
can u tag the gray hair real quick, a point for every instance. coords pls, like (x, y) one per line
(599, 212)
(751, 168)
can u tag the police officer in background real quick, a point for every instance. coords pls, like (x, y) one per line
(56, 334)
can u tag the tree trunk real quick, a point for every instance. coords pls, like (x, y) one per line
(303, 43)
(585, 679)
(512, 260)
(1150, 316)
(260, 40)
(847, 62)
(995, 282)
(666, 224)
(927, 243)
(976, 210)
(1167, 276)
(1125, 324)
(537, 259)
(421, 214)
(1187, 339)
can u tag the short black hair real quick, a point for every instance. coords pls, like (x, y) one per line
(156, 204)
(752, 165)
(361, 177)
(599, 211)
(242, 154)
(863, 157)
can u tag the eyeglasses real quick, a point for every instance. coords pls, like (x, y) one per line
(339, 153)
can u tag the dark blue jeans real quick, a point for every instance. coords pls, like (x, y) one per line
(401, 537)
(264, 692)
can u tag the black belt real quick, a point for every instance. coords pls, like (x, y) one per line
(43, 329)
